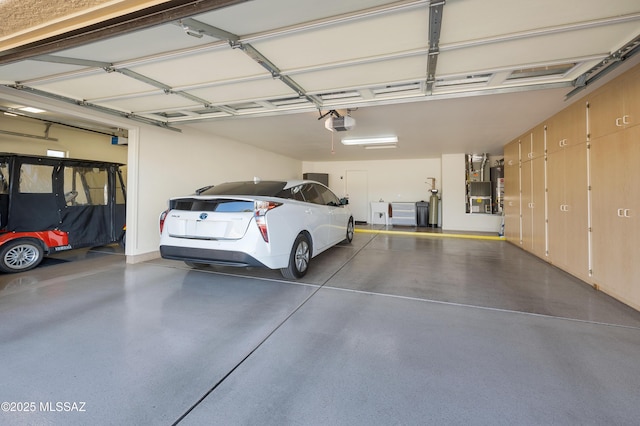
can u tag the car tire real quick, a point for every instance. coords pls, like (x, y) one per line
(350, 231)
(299, 259)
(20, 255)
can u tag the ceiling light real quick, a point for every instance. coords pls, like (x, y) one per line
(370, 141)
(31, 109)
(380, 146)
(10, 114)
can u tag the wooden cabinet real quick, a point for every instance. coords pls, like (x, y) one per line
(567, 128)
(532, 143)
(588, 168)
(615, 106)
(512, 192)
(533, 206)
(616, 214)
(532, 187)
(568, 226)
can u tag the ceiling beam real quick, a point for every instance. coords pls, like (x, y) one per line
(98, 108)
(605, 66)
(435, 24)
(71, 61)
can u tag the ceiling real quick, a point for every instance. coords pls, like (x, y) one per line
(444, 76)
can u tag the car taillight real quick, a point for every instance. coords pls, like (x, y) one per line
(163, 216)
(260, 210)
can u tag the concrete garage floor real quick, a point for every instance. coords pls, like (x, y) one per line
(392, 329)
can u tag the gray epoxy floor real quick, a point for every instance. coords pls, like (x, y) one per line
(387, 330)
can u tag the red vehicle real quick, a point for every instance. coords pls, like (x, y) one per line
(52, 204)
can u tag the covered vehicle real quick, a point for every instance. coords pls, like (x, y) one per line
(50, 204)
(273, 224)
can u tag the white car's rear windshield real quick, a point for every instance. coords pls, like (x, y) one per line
(264, 189)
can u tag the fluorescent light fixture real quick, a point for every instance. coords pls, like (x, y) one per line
(380, 146)
(31, 109)
(56, 153)
(370, 141)
(10, 114)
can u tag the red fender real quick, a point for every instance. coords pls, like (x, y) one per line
(56, 240)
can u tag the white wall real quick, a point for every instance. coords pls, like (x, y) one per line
(406, 180)
(389, 180)
(454, 216)
(172, 164)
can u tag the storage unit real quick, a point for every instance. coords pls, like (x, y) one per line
(616, 214)
(568, 210)
(586, 185)
(532, 187)
(403, 213)
(617, 107)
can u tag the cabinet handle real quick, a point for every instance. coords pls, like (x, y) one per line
(620, 212)
(531, 205)
(625, 119)
(618, 122)
(530, 155)
(562, 143)
(627, 212)
(511, 162)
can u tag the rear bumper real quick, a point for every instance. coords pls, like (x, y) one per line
(209, 256)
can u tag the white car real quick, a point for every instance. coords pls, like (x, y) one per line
(277, 224)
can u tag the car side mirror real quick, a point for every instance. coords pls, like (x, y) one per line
(344, 201)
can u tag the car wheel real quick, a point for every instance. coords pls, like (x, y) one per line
(20, 255)
(350, 231)
(299, 258)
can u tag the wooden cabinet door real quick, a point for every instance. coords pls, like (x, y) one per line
(526, 174)
(616, 106)
(575, 125)
(605, 107)
(526, 149)
(576, 225)
(568, 127)
(537, 141)
(568, 209)
(538, 219)
(512, 192)
(616, 214)
(555, 206)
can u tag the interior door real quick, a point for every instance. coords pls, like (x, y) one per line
(357, 191)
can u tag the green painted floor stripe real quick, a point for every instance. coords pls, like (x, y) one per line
(429, 234)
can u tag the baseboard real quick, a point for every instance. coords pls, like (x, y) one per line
(139, 258)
